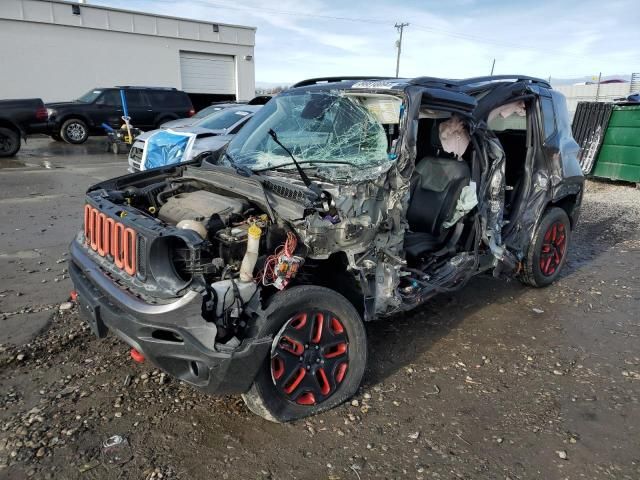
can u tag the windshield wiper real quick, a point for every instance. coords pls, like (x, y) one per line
(303, 162)
(240, 169)
(303, 175)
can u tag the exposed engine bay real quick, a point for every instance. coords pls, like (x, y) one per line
(190, 237)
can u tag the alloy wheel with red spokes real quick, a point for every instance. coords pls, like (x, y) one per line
(309, 358)
(553, 248)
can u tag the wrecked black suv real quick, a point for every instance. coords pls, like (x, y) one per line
(341, 201)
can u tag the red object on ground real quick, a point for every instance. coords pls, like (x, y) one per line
(73, 295)
(136, 356)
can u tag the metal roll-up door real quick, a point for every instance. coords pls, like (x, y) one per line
(207, 73)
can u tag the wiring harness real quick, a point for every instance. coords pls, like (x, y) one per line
(282, 266)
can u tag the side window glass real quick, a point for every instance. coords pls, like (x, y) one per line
(110, 98)
(548, 116)
(135, 98)
(238, 127)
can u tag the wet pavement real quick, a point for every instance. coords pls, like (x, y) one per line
(41, 199)
(497, 381)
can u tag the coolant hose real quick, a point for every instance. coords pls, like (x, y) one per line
(251, 257)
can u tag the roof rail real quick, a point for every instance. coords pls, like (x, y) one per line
(515, 78)
(315, 81)
(142, 87)
(473, 80)
(423, 81)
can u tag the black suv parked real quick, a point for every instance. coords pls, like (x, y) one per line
(148, 107)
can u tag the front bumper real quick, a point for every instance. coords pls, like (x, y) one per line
(174, 337)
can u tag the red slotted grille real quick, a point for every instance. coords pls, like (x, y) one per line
(111, 239)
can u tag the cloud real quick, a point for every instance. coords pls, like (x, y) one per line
(452, 39)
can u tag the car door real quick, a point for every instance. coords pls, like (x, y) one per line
(139, 108)
(107, 108)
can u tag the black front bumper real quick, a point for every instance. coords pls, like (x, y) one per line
(174, 337)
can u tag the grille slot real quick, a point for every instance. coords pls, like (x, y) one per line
(140, 254)
(111, 239)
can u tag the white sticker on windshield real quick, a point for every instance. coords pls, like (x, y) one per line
(242, 114)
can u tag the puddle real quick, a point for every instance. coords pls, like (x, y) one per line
(49, 165)
(11, 163)
(18, 163)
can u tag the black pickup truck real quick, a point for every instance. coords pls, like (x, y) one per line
(17, 119)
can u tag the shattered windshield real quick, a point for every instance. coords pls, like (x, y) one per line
(332, 133)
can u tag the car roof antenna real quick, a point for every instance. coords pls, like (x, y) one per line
(303, 175)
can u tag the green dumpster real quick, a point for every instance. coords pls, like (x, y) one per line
(619, 156)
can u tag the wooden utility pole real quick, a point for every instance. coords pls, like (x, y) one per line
(400, 28)
(598, 89)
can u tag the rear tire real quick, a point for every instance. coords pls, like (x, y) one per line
(74, 131)
(9, 142)
(547, 252)
(317, 358)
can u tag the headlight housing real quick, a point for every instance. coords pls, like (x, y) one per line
(168, 261)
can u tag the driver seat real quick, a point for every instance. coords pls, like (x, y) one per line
(435, 188)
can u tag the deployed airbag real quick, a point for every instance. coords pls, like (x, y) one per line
(454, 136)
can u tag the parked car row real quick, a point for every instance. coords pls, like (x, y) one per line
(148, 107)
(101, 109)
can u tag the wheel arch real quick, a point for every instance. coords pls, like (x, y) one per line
(6, 123)
(334, 274)
(570, 204)
(164, 117)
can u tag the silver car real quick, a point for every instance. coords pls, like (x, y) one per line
(212, 133)
(205, 112)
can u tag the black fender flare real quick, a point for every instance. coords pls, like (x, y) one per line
(10, 124)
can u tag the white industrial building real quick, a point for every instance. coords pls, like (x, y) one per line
(57, 50)
(605, 92)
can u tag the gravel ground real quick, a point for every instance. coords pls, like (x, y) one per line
(495, 381)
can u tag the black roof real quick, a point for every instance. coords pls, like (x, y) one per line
(461, 84)
(140, 87)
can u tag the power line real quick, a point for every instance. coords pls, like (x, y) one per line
(379, 21)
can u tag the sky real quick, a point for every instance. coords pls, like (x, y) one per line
(299, 39)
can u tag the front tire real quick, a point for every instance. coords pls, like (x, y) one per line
(74, 131)
(318, 355)
(9, 142)
(547, 252)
